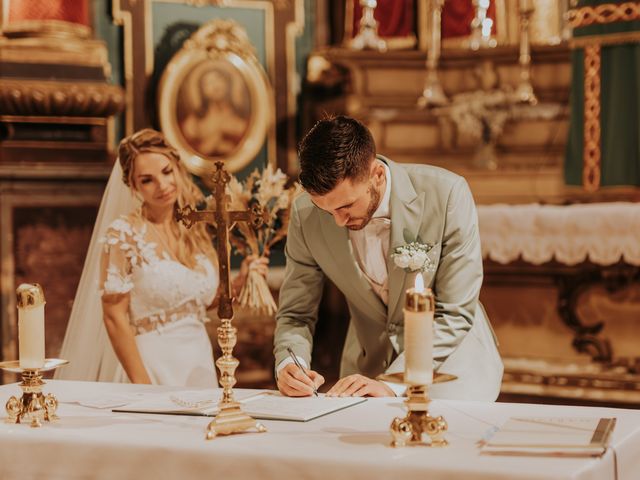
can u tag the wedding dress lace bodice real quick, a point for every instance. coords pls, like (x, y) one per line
(161, 289)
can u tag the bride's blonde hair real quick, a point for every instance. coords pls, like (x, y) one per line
(190, 241)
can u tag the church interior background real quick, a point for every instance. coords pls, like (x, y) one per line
(534, 102)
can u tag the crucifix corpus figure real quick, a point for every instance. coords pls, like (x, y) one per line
(231, 418)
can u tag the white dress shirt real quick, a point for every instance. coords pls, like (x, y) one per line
(371, 244)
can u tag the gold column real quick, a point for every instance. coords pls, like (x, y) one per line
(433, 94)
(591, 152)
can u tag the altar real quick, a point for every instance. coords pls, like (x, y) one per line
(561, 287)
(349, 444)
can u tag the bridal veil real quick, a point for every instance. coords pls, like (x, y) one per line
(86, 344)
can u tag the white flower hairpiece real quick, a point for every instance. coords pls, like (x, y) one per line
(414, 257)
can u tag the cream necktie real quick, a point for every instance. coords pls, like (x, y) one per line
(372, 247)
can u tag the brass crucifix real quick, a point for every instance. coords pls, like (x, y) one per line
(231, 418)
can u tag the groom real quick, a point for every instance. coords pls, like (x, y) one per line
(358, 207)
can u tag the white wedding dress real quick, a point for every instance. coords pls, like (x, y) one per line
(168, 302)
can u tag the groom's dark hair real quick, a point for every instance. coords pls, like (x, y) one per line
(336, 148)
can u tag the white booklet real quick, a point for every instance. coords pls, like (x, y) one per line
(266, 405)
(561, 436)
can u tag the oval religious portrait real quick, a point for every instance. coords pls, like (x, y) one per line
(214, 105)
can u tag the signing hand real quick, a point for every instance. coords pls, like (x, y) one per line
(294, 383)
(360, 386)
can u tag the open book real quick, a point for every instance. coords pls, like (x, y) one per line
(561, 436)
(266, 405)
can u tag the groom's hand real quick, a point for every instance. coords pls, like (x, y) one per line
(294, 383)
(360, 386)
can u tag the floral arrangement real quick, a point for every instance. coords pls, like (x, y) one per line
(414, 257)
(267, 188)
(482, 114)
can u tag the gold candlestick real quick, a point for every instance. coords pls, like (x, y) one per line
(33, 407)
(231, 418)
(481, 27)
(367, 37)
(524, 90)
(412, 428)
(433, 94)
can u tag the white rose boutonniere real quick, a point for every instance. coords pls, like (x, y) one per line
(414, 257)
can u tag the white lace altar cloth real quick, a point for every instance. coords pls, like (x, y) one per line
(603, 233)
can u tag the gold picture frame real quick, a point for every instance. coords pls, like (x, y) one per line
(215, 102)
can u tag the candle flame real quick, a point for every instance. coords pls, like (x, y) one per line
(418, 285)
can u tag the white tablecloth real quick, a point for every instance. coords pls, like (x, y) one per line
(604, 233)
(350, 444)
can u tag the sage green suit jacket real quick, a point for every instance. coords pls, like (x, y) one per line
(426, 202)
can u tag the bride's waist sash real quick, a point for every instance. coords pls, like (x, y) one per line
(154, 321)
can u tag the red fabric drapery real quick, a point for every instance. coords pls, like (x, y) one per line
(457, 16)
(395, 17)
(74, 11)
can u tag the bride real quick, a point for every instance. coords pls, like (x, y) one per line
(146, 278)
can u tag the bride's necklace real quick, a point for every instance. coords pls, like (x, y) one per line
(162, 238)
(144, 213)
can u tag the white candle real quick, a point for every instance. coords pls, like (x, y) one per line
(418, 334)
(30, 300)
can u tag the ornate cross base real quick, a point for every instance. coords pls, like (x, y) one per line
(231, 418)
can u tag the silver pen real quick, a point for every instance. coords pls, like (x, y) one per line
(297, 363)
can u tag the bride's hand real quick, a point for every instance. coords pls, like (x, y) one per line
(253, 262)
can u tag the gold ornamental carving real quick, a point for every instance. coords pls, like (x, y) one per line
(53, 42)
(31, 97)
(603, 14)
(411, 429)
(33, 407)
(221, 37)
(60, 46)
(592, 44)
(418, 427)
(51, 29)
(592, 152)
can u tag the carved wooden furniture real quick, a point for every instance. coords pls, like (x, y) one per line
(562, 289)
(54, 95)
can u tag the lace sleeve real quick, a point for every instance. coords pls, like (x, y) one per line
(117, 258)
